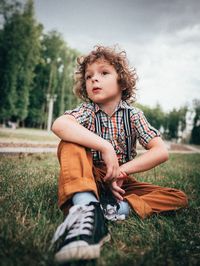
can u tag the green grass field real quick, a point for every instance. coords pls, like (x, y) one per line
(29, 216)
(27, 134)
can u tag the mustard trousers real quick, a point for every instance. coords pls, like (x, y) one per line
(78, 174)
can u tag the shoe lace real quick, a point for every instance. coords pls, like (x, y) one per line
(78, 222)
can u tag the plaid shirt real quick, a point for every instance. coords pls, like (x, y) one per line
(113, 127)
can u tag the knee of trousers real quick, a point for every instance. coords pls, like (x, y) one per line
(74, 148)
(183, 199)
(69, 145)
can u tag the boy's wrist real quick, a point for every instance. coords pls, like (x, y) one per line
(126, 168)
(106, 146)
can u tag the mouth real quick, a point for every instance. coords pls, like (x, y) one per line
(96, 89)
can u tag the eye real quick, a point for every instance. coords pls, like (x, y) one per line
(88, 77)
(104, 72)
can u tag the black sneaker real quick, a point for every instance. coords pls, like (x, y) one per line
(84, 231)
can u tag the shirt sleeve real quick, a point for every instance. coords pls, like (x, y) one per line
(81, 113)
(144, 131)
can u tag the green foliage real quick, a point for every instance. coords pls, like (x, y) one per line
(195, 136)
(173, 119)
(30, 216)
(30, 57)
(32, 65)
(20, 48)
(53, 75)
(169, 121)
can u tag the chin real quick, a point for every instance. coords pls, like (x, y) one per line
(95, 100)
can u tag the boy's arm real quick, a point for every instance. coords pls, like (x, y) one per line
(68, 129)
(157, 153)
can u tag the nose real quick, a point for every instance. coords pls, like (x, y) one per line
(95, 77)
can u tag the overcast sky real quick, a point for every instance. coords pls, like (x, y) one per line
(161, 38)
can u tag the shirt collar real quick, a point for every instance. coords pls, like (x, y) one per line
(121, 105)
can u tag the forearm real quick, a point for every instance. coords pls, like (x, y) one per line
(68, 129)
(146, 161)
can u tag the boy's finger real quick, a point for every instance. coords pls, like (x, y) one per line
(123, 175)
(117, 188)
(120, 178)
(117, 195)
(120, 182)
(108, 174)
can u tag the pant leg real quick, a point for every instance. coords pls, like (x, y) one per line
(76, 173)
(147, 199)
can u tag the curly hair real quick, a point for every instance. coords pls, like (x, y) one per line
(127, 76)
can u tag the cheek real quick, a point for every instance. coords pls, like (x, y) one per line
(87, 89)
(117, 83)
(116, 79)
(86, 85)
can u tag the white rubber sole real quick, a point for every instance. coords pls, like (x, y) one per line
(80, 252)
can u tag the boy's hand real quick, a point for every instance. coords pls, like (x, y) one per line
(110, 158)
(123, 175)
(113, 175)
(115, 186)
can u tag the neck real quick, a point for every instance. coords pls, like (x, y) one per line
(109, 107)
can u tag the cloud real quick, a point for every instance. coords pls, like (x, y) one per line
(189, 34)
(168, 68)
(162, 40)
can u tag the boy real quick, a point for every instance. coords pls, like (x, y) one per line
(97, 153)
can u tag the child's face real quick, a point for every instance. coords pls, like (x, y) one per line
(101, 82)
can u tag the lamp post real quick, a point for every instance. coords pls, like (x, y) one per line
(51, 99)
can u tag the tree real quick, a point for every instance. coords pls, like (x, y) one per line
(21, 46)
(173, 118)
(66, 98)
(195, 135)
(32, 65)
(8, 9)
(53, 75)
(169, 121)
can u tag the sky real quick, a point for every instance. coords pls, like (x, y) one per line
(161, 39)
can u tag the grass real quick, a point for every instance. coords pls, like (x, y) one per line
(26, 134)
(29, 216)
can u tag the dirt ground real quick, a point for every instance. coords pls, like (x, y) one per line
(35, 146)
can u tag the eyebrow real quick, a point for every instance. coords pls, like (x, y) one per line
(100, 66)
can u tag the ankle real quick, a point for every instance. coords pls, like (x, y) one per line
(83, 198)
